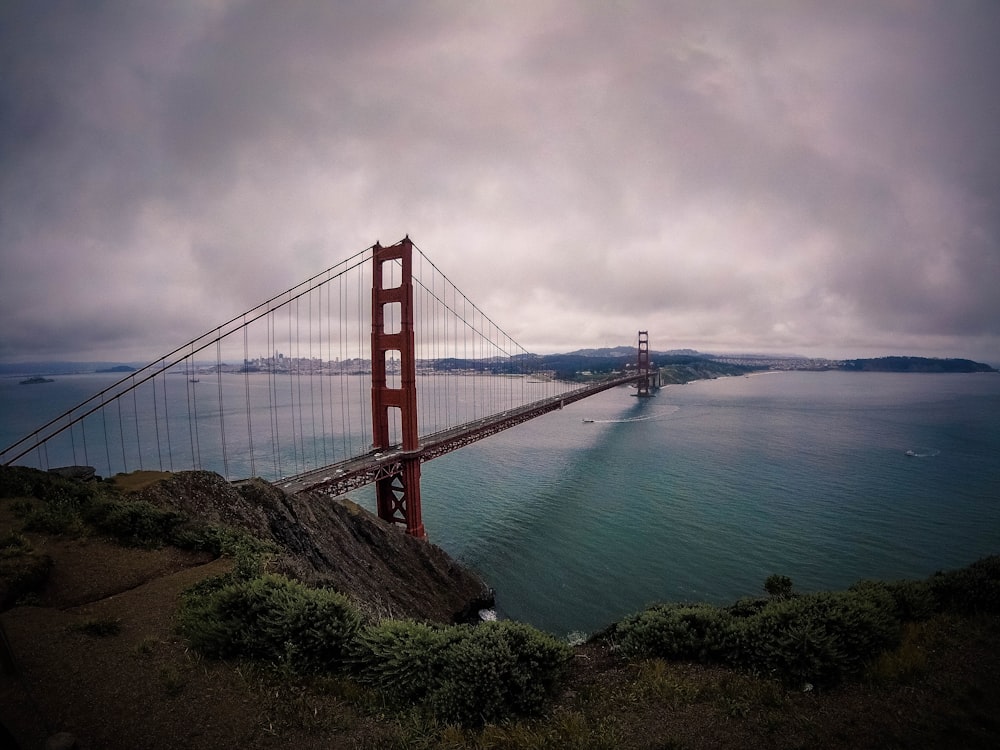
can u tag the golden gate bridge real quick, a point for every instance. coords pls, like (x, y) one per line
(355, 376)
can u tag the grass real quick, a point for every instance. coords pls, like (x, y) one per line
(910, 660)
(23, 571)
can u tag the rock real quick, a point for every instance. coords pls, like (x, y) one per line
(80, 473)
(333, 542)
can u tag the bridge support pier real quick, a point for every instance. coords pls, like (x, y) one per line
(397, 495)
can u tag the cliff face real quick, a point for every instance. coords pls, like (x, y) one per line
(333, 542)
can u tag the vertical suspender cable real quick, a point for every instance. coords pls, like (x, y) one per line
(194, 401)
(222, 415)
(246, 398)
(121, 434)
(104, 423)
(312, 379)
(289, 366)
(156, 427)
(166, 418)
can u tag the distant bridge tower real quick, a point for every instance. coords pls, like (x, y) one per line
(642, 365)
(397, 495)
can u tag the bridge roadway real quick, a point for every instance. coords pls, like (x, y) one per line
(345, 476)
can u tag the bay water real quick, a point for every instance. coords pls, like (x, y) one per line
(590, 513)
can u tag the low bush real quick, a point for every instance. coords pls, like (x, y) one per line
(970, 590)
(271, 618)
(54, 518)
(248, 552)
(911, 601)
(401, 658)
(818, 638)
(17, 481)
(461, 674)
(700, 632)
(23, 571)
(61, 500)
(135, 523)
(778, 586)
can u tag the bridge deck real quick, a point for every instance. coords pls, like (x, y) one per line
(345, 476)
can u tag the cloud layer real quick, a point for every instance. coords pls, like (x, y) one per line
(814, 177)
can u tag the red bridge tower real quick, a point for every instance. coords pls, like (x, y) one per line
(397, 496)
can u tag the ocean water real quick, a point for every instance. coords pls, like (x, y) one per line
(701, 492)
(698, 494)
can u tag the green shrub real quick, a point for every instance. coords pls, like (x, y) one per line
(62, 500)
(271, 618)
(17, 481)
(700, 632)
(819, 638)
(778, 586)
(461, 674)
(53, 518)
(747, 606)
(135, 523)
(816, 638)
(14, 543)
(401, 658)
(911, 601)
(248, 552)
(973, 589)
(22, 572)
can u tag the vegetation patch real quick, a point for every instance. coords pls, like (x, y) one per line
(273, 619)
(22, 570)
(135, 523)
(463, 674)
(819, 639)
(459, 674)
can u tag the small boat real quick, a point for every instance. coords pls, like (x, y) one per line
(194, 380)
(909, 453)
(587, 421)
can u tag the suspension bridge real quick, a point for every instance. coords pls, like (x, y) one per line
(356, 376)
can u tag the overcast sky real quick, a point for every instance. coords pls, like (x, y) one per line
(807, 177)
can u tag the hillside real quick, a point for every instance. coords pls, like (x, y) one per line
(914, 364)
(94, 650)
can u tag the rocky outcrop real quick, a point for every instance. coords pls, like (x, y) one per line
(335, 542)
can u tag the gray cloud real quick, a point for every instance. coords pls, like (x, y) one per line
(813, 177)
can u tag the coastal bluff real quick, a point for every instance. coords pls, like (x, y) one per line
(331, 542)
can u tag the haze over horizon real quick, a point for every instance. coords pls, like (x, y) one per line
(778, 177)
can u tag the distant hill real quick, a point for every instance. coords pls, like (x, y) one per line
(612, 351)
(914, 364)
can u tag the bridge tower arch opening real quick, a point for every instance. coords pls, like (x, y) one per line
(398, 494)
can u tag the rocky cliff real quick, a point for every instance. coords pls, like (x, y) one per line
(335, 542)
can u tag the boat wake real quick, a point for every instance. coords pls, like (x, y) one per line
(658, 414)
(921, 452)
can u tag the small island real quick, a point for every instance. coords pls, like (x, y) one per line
(36, 380)
(117, 368)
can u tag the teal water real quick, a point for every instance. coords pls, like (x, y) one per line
(703, 491)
